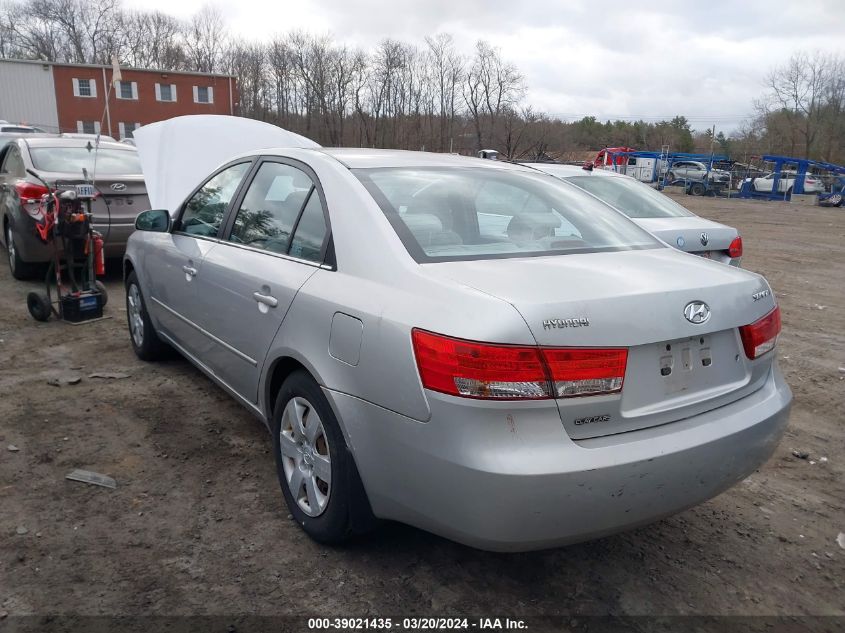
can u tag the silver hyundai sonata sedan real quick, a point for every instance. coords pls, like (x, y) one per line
(470, 347)
(656, 213)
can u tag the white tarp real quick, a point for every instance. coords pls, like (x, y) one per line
(178, 154)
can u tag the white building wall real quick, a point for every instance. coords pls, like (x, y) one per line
(28, 95)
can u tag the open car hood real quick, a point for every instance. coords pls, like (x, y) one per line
(178, 154)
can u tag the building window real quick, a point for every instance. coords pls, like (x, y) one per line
(88, 127)
(165, 92)
(203, 94)
(127, 90)
(127, 130)
(84, 88)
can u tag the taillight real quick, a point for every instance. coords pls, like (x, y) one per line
(513, 372)
(30, 191)
(760, 337)
(479, 370)
(735, 249)
(584, 372)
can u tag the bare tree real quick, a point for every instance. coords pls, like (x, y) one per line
(797, 89)
(447, 70)
(205, 39)
(152, 40)
(492, 86)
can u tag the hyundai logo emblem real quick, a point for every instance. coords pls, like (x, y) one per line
(697, 312)
(680, 241)
(118, 186)
(704, 239)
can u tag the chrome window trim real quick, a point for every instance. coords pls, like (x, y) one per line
(298, 260)
(214, 240)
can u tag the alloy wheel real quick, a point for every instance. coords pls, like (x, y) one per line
(10, 247)
(306, 460)
(136, 318)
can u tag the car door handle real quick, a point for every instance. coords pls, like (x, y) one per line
(189, 270)
(265, 299)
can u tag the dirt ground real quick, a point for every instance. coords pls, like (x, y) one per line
(197, 524)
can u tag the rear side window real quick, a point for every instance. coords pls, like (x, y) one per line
(269, 211)
(13, 164)
(455, 214)
(310, 231)
(204, 211)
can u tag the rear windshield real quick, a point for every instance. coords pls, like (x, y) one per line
(631, 197)
(17, 130)
(73, 159)
(453, 214)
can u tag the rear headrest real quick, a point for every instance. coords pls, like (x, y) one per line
(535, 220)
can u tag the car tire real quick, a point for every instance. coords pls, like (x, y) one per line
(39, 306)
(145, 342)
(308, 442)
(20, 269)
(671, 176)
(697, 189)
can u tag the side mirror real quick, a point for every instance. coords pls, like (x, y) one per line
(155, 220)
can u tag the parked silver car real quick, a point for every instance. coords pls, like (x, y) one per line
(62, 160)
(470, 347)
(656, 213)
(696, 171)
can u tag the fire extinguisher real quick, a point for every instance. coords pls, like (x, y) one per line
(99, 256)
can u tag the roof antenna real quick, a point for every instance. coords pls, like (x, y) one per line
(115, 77)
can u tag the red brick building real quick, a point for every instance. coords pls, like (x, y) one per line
(141, 97)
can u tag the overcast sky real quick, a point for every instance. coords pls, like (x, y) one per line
(705, 59)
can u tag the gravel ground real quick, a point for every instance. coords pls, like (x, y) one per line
(197, 524)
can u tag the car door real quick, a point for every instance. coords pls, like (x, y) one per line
(681, 170)
(174, 260)
(275, 240)
(764, 184)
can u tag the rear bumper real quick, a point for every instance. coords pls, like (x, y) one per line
(507, 478)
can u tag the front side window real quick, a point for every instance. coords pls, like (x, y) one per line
(631, 197)
(204, 211)
(270, 209)
(453, 214)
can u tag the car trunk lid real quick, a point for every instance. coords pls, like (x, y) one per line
(634, 299)
(693, 235)
(120, 201)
